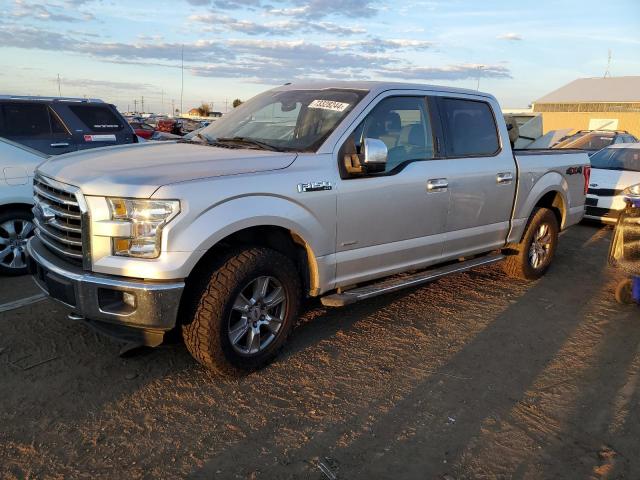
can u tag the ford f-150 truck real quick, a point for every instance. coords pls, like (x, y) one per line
(341, 191)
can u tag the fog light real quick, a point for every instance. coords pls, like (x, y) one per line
(129, 299)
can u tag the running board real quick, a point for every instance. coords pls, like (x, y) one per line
(394, 284)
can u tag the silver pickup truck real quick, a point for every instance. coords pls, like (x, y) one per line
(342, 191)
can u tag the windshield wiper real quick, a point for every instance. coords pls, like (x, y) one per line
(247, 141)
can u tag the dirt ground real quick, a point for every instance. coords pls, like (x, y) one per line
(474, 376)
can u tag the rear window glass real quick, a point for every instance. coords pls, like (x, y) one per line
(97, 119)
(471, 128)
(26, 119)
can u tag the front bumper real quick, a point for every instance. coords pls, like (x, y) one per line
(134, 310)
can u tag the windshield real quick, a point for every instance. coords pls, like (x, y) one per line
(587, 141)
(617, 159)
(298, 120)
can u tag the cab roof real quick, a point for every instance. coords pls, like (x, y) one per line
(376, 87)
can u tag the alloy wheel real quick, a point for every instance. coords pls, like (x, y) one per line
(540, 246)
(14, 235)
(257, 315)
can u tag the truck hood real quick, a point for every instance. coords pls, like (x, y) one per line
(140, 169)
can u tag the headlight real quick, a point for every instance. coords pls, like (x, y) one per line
(146, 218)
(632, 190)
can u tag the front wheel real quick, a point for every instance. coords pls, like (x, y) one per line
(16, 228)
(533, 255)
(243, 310)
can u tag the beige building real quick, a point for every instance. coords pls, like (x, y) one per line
(611, 103)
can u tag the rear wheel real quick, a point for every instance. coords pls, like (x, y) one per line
(16, 228)
(534, 254)
(243, 311)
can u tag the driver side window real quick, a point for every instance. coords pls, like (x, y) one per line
(402, 123)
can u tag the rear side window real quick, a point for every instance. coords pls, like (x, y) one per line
(33, 120)
(97, 118)
(470, 128)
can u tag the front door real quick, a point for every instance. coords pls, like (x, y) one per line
(392, 220)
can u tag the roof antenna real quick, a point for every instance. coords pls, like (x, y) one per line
(608, 73)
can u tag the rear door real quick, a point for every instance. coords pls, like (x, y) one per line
(35, 125)
(481, 176)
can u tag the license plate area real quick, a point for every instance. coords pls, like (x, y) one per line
(591, 202)
(58, 287)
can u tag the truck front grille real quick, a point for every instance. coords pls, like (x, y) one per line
(58, 218)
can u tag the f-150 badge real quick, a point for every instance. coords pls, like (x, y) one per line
(314, 186)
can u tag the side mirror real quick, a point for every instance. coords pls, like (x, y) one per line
(375, 155)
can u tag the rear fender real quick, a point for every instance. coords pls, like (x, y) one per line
(527, 199)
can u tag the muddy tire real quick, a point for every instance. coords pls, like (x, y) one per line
(531, 258)
(624, 293)
(243, 311)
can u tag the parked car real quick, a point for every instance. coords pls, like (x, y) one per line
(326, 190)
(615, 172)
(170, 125)
(60, 125)
(17, 164)
(594, 140)
(143, 130)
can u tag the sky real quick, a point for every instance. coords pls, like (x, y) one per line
(121, 51)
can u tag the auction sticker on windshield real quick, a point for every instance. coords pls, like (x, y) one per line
(329, 105)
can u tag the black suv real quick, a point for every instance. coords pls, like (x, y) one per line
(60, 125)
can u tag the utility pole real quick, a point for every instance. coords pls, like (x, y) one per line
(182, 81)
(607, 73)
(142, 103)
(135, 105)
(59, 94)
(226, 105)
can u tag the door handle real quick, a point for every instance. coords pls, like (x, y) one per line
(504, 178)
(437, 185)
(60, 145)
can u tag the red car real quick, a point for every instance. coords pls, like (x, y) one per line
(143, 130)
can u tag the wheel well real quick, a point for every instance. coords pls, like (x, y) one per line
(13, 206)
(554, 202)
(280, 239)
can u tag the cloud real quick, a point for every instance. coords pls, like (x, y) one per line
(258, 60)
(216, 22)
(39, 11)
(379, 45)
(86, 83)
(33, 38)
(514, 37)
(310, 9)
(464, 71)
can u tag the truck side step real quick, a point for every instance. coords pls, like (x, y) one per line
(396, 283)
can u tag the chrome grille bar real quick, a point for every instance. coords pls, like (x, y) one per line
(53, 197)
(61, 219)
